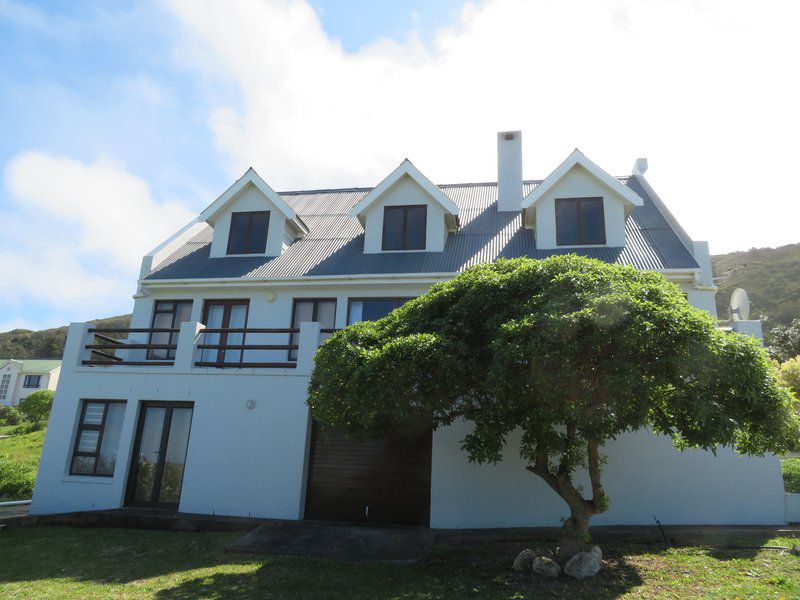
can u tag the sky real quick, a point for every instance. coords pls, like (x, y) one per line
(120, 121)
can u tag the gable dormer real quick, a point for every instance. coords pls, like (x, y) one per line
(579, 205)
(251, 219)
(405, 212)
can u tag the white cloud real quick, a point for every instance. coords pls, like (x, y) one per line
(705, 89)
(76, 232)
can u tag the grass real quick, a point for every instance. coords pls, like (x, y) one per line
(25, 448)
(791, 474)
(51, 562)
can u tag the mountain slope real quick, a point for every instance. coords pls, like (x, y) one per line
(46, 343)
(771, 278)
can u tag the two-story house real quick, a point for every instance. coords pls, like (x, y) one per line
(20, 377)
(201, 405)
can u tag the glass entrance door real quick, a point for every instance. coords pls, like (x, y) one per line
(159, 454)
(224, 314)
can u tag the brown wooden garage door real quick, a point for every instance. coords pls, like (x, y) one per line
(369, 481)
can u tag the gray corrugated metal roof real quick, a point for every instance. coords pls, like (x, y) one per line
(335, 242)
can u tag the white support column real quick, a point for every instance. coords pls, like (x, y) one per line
(307, 346)
(74, 352)
(751, 328)
(188, 339)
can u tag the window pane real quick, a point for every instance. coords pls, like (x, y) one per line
(303, 312)
(183, 313)
(162, 306)
(594, 229)
(326, 314)
(94, 413)
(566, 222)
(111, 435)
(415, 228)
(88, 440)
(149, 449)
(392, 228)
(83, 465)
(237, 237)
(172, 477)
(258, 233)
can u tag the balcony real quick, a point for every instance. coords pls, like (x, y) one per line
(193, 347)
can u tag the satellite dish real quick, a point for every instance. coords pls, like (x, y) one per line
(740, 305)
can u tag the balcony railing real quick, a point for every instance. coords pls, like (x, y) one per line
(103, 349)
(195, 346)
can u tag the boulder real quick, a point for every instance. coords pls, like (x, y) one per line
(568, 548)
(546, 567)
(546, 552)
(524, 560)
(583, 564)
(598, 553)
(795, 550)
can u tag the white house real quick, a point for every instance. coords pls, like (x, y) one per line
(200, 405)
(20, 377)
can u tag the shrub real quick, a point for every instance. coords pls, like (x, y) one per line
(9, 415)
(791, 474)
(790, 375)
(36, 407)
(28, 427)
(16, 480)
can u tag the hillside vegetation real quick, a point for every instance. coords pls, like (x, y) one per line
(771, 278)
(46, 343)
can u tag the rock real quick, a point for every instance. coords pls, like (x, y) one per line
(546, 567)
(597, 552)
(795, 550)
(569, 548)
(546, 552)
(524, 560)
(583, 565)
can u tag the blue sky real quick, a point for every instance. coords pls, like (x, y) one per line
(120, 120)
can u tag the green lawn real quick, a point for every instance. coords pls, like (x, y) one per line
(25, 448)
(51, 562)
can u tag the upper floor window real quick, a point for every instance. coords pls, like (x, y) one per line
(371, 309)
(580, 221)
(5, 383)
(167, 314)
(314, 310)
(404, 227)
(32, 381)
(248, 234)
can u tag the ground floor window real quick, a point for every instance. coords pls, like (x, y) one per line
(97, 440)
(5, 383)
(372, 309)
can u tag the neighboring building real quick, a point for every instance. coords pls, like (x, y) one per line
(20, 377)
(202, 406)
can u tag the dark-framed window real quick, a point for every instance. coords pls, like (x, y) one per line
(32, 381)
(225, 314)
(248, 232)
(97, 439)
(372, 309)
(314, 310)
(404, 227)
(167, 314)
(580, 222)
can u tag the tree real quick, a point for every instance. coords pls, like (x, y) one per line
(36, 407)
(570, 350)
(785, 341)
(790, 375)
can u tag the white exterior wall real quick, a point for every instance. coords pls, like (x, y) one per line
(13, 369)
(578, 183)
(405, 191)
(645, 477)
(249, 199)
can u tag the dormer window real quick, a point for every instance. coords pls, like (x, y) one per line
(404, 227)
(580, 222)
(248, 233)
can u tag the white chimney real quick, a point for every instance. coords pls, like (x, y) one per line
(509, 170)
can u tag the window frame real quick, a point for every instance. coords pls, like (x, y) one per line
(227, 304)
(400, 299)
(248, 236)
(25, 382)
(5, 378)
(102, 430)
(172, 336)
(579, 202)
(314, 313)
(404, 208)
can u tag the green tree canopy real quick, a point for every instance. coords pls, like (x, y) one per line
(785, 341)
(570, 350)
(36, 407)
